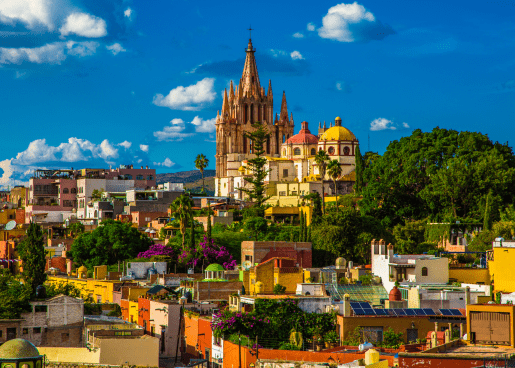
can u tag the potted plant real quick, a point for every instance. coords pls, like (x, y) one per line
(331, 339)
(319, 342)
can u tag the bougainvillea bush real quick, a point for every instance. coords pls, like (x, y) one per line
(268, 320)
(156, 250)
(205, 253)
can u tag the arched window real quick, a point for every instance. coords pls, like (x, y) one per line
(284, 152)
(313, 151)
(252, 113)
(346, 151)
(245, 113)
(331, 150)
(128, 177)
(424, 271)
(73, 191)
(296, 152)
(65, 191)
(139, 177)
(284, 138)
(150, 177)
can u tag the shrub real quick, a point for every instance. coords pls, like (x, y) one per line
(279, 289)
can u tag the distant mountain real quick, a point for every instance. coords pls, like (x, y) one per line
(184, 176)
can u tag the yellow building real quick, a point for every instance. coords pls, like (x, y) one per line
(491, 324)
(500, 263)
(280, 213)
(262, 278)
(7, 215)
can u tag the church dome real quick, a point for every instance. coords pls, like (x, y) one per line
(304, 136)
(395, 295)
(338, 133)
(18, 349)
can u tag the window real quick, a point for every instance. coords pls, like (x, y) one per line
(150, 177)
(284, 152)
(128, 177)
(346, 151)
(40, 308)
(282, 193)
(139, 177)
(122, 333)
(25, 331)
(36, 330)
(424, 271)
(65, 337)
(248, 258)
(285, 173)
(373, 334)
(1, 333)
(331, 150)
(284, 138)
(65, 191)
(313, 151)
(148, 219)
(73, 190)
(296, 152)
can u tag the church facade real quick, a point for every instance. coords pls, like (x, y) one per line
(290, 158)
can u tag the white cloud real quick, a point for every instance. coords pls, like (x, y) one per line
(276, 53)
(295, 55)
(385, 124)
(52, 53)
(107, 151)
(125, 144)
(204, 126)
(352, 22)
(128, 13)
(339, 86)
(174, 132)
(38, 151)
(143, 147)
(85, 25)
(116, 48)
(310, 27)
(167, 163)
(32, 13)
(189, 98)
(298, 35)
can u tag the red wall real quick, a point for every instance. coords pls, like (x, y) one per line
(446, 362)
(144, 313)
(124, 304)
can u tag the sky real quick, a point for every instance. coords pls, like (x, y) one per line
(99, 83)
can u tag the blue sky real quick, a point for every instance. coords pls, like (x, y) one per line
(107, 82)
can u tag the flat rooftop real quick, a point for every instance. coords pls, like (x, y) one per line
(466, 351)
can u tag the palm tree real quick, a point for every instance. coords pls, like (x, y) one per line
(335, 171)
(320, 160)
(181, 209)
(201, 163)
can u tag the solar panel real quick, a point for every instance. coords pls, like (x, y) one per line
(446, 312)
(359, 312)
(455, 312)
(369, 311)
(419, 312)
(355, 305)
(429, 311)
(390, 312)
(365, 305)
(409, 312)
(399, 312)
(381, 312)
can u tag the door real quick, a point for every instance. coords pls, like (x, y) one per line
(490, 327)
(412, 335)
(11, 333)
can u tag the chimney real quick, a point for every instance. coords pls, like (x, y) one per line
(390, 252)
(467, 296)
(142, 167)
(346, 305)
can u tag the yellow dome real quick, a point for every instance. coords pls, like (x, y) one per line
(82, 269)
(338, 133)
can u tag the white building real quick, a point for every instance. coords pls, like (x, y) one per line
(407, 269)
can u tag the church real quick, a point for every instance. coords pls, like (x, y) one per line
(290, 157)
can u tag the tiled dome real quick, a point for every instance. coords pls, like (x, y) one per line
(18, 349)
(304, 136)
(395, 295)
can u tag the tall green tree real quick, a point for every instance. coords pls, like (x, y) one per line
(360, 163)
(334, 170)
(32, 253)
(257, 193)
(201, 163)
(181, 211)
(316, 202)
(14, 296)
(321, 159)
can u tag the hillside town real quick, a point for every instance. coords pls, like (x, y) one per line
(309, 254)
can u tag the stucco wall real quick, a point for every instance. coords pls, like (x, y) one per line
(143, 351)
(71, 355)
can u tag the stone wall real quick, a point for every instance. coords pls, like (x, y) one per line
(206, 290)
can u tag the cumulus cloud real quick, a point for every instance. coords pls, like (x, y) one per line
(295, 55)
(31, 13)
(174, 132)
(83, 24)
(125, 144)
(166, 163)
(310, 27)
(298, 35)
(115, 48)
(385, 124)
(204, 126)
(128, 12)
(52, 53)
(144, 147)
(38, 151)
(189, 98)
(352, 23)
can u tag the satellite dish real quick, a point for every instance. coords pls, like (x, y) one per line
(10, 225)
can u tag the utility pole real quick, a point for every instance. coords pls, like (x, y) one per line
(239, 350)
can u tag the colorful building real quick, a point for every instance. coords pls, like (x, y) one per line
(261, 279)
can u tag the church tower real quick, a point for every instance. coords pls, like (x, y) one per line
(244, 104)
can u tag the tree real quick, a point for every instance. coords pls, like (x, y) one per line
(487, 220)
(76, 229)
(14, 296)
(334, 170)
(192, 233)
(32, 253)
(321, 159)
(316, 202)
(359, 170)
(110, 242)
(256, 193)
(201, 163)
(181, 210)
(96, 195)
